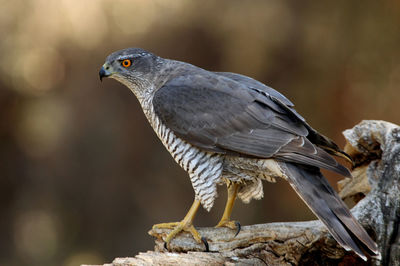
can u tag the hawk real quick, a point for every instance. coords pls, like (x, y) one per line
(226, 128)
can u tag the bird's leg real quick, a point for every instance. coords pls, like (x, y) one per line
(185, 225)
(225, 220)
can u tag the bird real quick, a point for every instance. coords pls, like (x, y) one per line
(228, 129)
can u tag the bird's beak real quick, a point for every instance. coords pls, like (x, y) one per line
(104, 72)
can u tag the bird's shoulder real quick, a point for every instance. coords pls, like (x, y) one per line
(182, 74)
(185, 76)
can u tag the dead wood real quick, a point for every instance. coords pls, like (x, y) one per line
(375, 147)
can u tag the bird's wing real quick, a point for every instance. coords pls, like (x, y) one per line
(260, 87)
(217, 113)
(314, 136)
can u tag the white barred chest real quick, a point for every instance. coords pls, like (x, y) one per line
(204, 168)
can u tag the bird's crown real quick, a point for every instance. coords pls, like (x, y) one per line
(128, 53)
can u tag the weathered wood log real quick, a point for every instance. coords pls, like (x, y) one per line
(375, 147)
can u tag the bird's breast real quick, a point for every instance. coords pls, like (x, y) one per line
(204, 168)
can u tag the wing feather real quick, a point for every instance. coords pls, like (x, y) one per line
(222, 114)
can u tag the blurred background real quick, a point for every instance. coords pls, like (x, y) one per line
(82, 175)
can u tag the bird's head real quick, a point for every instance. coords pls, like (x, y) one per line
(133, 67)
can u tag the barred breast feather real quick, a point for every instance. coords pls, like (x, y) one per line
(204, 168)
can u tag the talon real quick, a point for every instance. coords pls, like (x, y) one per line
(239, 227)
(205, 242)
(195, 234)
(184, 225)
(230, 224)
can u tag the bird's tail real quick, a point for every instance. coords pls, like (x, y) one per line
(325, 203)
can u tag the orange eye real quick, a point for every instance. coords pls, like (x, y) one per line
(126, 63)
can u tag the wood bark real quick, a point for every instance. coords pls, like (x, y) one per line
(375, 147)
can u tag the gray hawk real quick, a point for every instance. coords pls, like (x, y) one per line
(226, 128)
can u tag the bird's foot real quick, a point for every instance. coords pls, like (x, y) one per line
(166, 225)
(185, 225)
(235, 225)
(178, 227)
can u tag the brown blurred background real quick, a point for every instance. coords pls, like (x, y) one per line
(82, 175)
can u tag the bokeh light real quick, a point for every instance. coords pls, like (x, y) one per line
(83, 176)
(35, 236)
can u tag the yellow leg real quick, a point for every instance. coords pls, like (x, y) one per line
(225, 220)
(185, 225)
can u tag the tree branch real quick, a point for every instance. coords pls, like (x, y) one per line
(375, 146)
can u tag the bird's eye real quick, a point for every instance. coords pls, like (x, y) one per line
(126, 63)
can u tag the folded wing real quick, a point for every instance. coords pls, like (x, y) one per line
(220, 114)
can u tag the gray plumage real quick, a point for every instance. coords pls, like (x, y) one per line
(225, 127)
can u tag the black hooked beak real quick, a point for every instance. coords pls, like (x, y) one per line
(103, 73)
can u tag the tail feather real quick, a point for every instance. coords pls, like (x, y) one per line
(325, 203)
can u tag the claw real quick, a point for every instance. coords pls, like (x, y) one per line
(227, 223)
(205, 242)
(239, 227)
(184, 225)
(230, 224)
